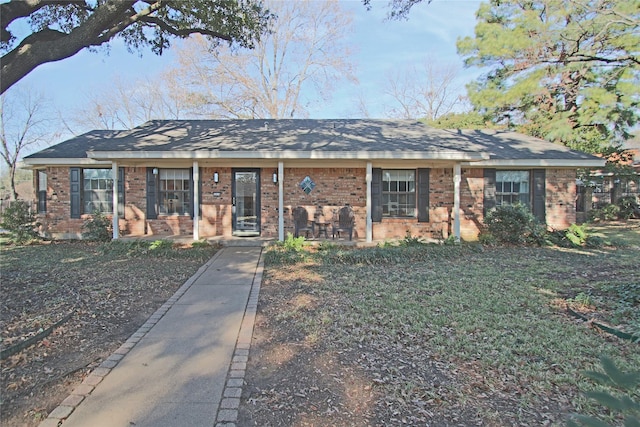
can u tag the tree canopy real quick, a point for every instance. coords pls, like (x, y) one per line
(292, 67)
(60, 29)
(564, 70)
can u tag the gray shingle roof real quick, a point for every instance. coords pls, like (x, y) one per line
(76, 148)
(296, 135)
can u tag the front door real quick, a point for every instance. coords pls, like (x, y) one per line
(246, 202)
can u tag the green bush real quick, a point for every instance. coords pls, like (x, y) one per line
(290, 251)
(608, 212)
(98, 228)
(619, 394)
(574, 236)
(200, 244)
(629, 207)
(513, 224)
(20, 222)
(487, 239)
(410, 240)
(161, 245)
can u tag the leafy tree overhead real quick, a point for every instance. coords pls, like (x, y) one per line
(464, 120)
(564, 70)
(61, 28)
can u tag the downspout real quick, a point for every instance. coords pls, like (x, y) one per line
(281, 201)
(369, 225)
(196, 201)
(457, 178)
(114, 195)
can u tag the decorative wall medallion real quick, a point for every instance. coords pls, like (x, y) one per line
(307, 185)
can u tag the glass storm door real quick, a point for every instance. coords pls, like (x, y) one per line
(246, 202)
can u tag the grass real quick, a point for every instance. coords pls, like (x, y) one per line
(497, 312)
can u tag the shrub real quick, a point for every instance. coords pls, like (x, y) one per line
(608, 212)
(161, 245)
(98, 228)
(290, 251)
(487, 239)
(410, 240)
(629, 207)
(622, 401)
(511, 223)
(451, 240)
(20, 222)
(575, 236)
(200, 244)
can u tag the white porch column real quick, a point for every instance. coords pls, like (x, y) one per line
(281, 201)
(457, 177)
(196, 201)
(369, 225)
(114, 195)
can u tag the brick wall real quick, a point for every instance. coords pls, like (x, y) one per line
(335, 187)
(560, 197)
(441, 194)
(57, 222)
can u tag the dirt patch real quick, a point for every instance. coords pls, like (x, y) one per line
(106, 296)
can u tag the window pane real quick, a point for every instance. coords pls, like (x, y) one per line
(512, 187)
(98, 191)
(174, 196)
(398, 188)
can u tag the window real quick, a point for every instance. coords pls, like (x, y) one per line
(42, 191)
(399, 193)
(174, 196)
(97, 194)
(512, 187)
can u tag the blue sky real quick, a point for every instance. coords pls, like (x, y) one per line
(380, 46)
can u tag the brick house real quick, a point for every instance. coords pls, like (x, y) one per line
(244, 178)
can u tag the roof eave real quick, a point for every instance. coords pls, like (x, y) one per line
(31, 163)
(290, 155)
(539, 163)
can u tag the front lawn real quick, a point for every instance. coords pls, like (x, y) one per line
(91, 297)
(440, 335)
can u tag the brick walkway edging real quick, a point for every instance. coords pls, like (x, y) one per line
(228, 409)
(68, 405)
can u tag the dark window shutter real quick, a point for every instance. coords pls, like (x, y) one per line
(376, 195)
(423, 195)
(152, 209)
(489, 190)
(200, 196)
(539, 190)
(121, 192)
(191, 194)
(42, 202)
(75, 179)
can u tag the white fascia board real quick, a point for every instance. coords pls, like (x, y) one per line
(289, 155)
(32, 163)
(539, 163)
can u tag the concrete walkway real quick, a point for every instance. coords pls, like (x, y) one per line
(186, 365)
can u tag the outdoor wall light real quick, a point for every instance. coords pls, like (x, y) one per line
(275, 177)
(155, 171)
(216, 177)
